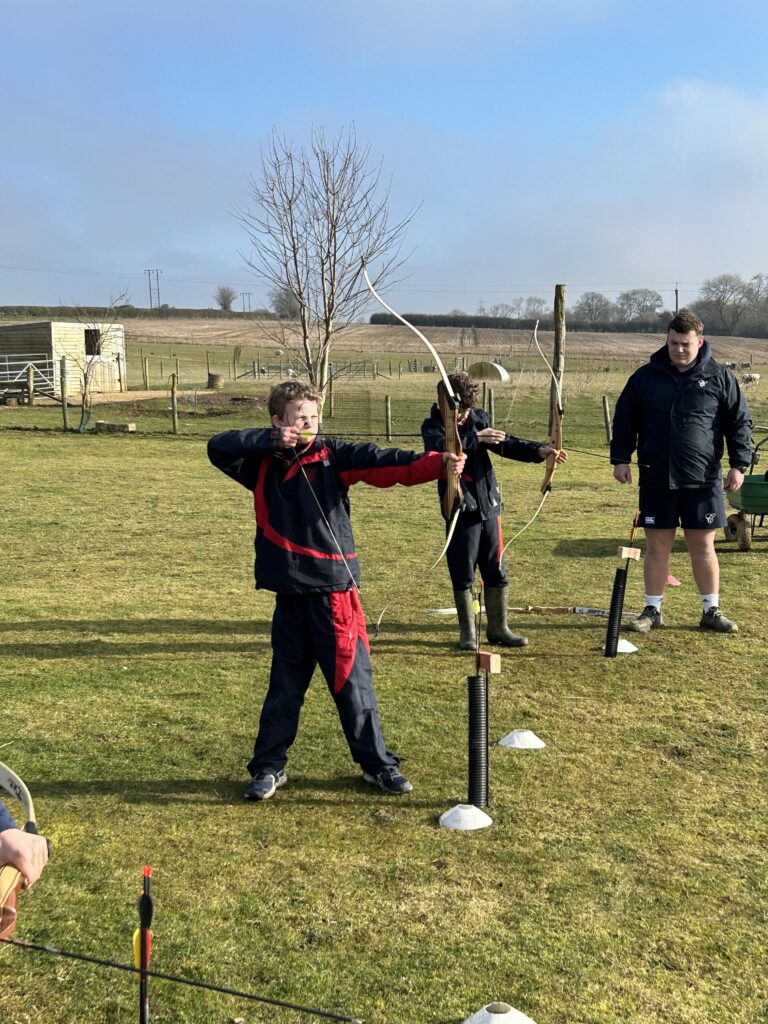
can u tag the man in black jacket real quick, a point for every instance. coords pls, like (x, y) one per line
(679, 412)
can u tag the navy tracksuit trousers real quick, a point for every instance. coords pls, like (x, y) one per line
(476, 544)
(325, 629)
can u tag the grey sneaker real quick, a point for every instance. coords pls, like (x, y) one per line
(263, 784)
(717, 622)
(391, 780)
(648, 619)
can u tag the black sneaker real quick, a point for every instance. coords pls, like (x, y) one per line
(263, 784)
(648, 619)
(391, 780)
(717, 622)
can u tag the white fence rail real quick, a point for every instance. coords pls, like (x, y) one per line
(15, 374)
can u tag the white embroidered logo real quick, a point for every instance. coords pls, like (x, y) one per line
(702, 383)
(650, 520)
(711, 517)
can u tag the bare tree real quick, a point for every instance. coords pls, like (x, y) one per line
(225, 297)
(594, 308)
(319, 215)
(534, 306)
(102, 331)
(639, 304)
(284, 303)
(729, 296)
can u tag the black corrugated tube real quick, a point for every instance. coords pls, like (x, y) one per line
(478, 740)
(614, 614)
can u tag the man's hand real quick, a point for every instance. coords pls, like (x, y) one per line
(456, 462)
(26, 851)
(734, 480)
(560, 453)
(623, 473)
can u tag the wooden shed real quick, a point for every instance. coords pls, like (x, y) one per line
(98, 348)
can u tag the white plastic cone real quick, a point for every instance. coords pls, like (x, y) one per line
(464, 817)
(522, 739)
(624, 647)
(498, 1013)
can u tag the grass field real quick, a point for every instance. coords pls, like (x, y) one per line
(622, 882)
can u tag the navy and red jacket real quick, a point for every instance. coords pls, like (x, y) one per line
(680, 423)
(304, 541)
(6, 821)
(478, 481)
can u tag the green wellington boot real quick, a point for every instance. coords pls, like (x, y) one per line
(467, 636)
(497, 630)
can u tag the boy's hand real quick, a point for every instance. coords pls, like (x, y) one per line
(454, 463)
(623, 473)
(561, 455)
(289, 437)
(490, 435)
(26, 851)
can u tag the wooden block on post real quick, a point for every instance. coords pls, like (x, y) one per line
(489, 662)
(630, 553)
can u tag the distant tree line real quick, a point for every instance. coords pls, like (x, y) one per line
(128, 311)
(727, 304)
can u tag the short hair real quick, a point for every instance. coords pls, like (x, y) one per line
(290, 391)
(464, 388)
(684, 322)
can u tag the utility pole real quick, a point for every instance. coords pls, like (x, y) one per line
(154, 292)
(246, 298)
(677, 298)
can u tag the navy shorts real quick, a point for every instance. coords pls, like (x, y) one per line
(701, 508)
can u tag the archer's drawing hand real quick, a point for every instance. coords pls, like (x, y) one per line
(26, 851)
(454, 462)
(561, 455)
(490, 435)
(623, 473)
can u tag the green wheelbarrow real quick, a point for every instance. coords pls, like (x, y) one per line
(751, 501)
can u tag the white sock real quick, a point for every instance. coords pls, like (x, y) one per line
(653, 601)
(709, 601)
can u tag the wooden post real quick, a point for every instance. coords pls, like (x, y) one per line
(399, 370)
(558, 356)
(178, 374)
(330, 397)
(63, 387)
(258, 361)
(388, 416)
(31, 384)
(491, 408)
(145, 369)
(234, 368)
(120, 374)
(162, 374)
(607, 420)
(485, 395)
(208, 361)
(174, 405)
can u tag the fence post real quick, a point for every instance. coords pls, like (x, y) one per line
(63, 388)
(162, 374)
(607, 420)
(330, 397)
(388, 416)
(485, 395)
(31, 384)
(174, 405)
(491, 407)
(145, 369)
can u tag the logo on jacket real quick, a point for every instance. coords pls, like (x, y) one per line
(702, 383)
(649, 520)
(711, 517)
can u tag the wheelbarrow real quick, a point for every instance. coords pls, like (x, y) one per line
(751, 501)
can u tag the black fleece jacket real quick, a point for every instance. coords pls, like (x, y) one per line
(478, 481)
(680, 423)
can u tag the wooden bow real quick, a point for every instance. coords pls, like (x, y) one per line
(11, 879)
(449, 409)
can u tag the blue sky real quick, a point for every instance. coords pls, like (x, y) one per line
(605, 144)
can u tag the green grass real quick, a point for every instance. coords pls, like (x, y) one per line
(622, 882)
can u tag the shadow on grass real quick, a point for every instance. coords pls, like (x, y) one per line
(166, 632)
(306, 790)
